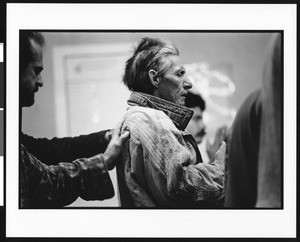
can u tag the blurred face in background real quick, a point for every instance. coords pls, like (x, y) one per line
(31, 78)
(196, 126)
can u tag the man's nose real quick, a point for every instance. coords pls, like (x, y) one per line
(187, 83)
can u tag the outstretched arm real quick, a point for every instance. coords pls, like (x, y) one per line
(53, 151)
(60, 185)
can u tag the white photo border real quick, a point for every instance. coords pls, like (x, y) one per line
(151, 223)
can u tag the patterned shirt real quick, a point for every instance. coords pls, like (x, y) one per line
(161, 164)
(43, 186)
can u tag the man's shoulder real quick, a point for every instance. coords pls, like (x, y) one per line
(143, 112)
(145, 117)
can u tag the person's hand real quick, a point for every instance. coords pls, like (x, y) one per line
(211, 149)
(114, 147)
(108, 135)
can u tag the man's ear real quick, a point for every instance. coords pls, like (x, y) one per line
(152, 75)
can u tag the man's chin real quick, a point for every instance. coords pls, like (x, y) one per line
(28, 102)
(181, 102)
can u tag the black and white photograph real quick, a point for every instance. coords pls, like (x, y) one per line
(145, 117)
(88, 82)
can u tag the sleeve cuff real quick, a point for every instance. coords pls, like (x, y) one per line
(97, 165)
(101, 187)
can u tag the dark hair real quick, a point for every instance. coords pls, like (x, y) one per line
(195, 100)
(149, 54)
(26, 51)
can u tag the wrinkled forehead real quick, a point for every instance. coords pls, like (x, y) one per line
(173, 62)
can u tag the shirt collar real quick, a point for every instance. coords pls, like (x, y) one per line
(180, 115)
